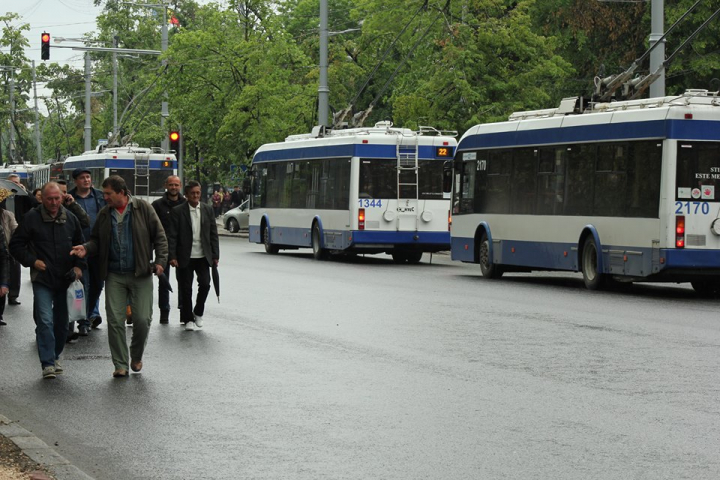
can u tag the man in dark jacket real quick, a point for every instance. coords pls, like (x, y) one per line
(163, 206)
(91, 200)
(194, 248)
(43, 242)
(126, 234)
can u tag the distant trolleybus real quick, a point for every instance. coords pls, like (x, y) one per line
(359, 190)
(143, 169)
(31, 175)
(629, 191)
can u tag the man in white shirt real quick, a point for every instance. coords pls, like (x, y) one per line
(194, 248)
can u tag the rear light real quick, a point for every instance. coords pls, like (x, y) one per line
(449, 220)
(361, 219)
(680, 231)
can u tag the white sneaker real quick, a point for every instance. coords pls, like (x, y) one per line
(190, 326)
(198, 321)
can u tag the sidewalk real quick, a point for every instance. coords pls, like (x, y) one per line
(224, 233)
(25, 456)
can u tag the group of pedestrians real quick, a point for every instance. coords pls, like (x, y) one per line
(115, 241)
(222, 201)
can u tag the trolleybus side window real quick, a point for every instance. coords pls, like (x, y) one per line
(580, 179)
(551, 181)
(524, 181)
(643, 179)
(495, 197)
(305, 184)
(614, 179)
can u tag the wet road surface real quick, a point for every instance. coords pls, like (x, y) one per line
(365, 369)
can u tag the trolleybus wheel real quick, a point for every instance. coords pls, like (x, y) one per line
(593, 279)
(707, 288)
(233, 226)
(399, 257)
(269, 247)
(488, 269)
(318, 252)
(414, 257)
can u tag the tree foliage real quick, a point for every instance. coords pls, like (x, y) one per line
(244, 73)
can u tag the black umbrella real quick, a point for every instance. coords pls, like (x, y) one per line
(164, 282)
(216, 281)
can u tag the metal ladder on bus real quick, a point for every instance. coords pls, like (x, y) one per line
(407, 179)
(142, 175)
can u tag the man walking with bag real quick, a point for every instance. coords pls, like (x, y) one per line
(126, 234)
(194, 248)
(91, 200)
(42, 242)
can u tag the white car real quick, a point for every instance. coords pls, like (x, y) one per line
(237, 218)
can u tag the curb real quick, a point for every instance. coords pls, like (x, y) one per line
(39, 451)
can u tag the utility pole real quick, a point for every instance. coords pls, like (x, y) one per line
(164, 111)
(657, 56)
(163, 47)
(37, 127)
(323, 89)
(115, 82)
(88, 126)
(11, 150)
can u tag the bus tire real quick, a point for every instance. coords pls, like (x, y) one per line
(319, 253)
(399, 257)
(707, 288)
(594, 280)
(488, 269)
(414, 257)
(269, 247)
(233, 226)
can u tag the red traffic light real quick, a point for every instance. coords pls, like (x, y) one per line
(174, 137)
(45, 46)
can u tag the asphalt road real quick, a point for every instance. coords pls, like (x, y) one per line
(366, 369)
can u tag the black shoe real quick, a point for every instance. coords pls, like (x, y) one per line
(96, 321)
(164, 316)
(72, 337)
(13, 301)
(83, 331)
(2, 322)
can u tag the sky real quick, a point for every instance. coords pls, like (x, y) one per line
(60, 18)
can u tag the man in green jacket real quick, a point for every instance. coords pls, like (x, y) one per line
(126, 232)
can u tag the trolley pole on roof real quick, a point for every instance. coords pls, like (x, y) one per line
(657, 56)
(323, 89)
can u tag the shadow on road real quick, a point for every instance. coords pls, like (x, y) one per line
(644, 290)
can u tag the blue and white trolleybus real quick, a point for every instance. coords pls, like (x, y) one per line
(359, 190)
(143, 169)
(627, 191)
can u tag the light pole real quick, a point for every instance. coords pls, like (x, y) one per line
(657, 56)
(323, 89)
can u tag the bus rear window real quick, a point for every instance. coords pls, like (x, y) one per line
(379, 179)
(698, 171)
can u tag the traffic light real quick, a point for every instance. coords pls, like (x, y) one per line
(45, 46)
(174, 141)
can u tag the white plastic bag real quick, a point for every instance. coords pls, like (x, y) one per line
(76, 301)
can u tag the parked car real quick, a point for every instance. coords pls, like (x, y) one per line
(237, 218)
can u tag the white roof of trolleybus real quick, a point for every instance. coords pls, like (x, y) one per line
(121, 152)
(702, 104)
(382, 133)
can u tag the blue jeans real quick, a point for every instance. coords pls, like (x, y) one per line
(51, 322)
